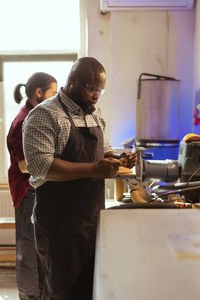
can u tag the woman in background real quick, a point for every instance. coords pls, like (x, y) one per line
(40, 86)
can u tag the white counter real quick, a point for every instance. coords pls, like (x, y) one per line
(135, 260)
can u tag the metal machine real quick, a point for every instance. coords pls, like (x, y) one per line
(168, 177)
(166, 181)
(157, 140)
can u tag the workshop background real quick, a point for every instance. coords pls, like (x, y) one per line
(128, 43)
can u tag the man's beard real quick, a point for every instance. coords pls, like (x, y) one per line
(77, 98)
(88, 109)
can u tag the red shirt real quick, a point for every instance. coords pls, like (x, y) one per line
(18, 181)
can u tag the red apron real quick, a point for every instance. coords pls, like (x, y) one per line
(66, 218)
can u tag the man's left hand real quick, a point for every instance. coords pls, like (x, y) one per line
(128, 159)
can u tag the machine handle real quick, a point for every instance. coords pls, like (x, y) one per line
(152, 75)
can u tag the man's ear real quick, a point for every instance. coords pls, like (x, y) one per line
(38, 93)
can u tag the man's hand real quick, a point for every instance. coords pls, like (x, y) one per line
(107, 168)
(128, 159)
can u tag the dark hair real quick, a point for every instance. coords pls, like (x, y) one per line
(37, 80)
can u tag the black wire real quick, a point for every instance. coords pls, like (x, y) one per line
(192, 176)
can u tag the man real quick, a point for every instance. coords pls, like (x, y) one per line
(68, 157)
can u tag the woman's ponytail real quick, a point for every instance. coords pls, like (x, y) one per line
(17, 94)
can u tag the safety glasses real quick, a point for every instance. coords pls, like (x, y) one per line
(90, 88)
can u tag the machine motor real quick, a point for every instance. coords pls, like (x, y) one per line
(184, 172)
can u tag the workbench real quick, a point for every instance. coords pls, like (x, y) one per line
(148, 254)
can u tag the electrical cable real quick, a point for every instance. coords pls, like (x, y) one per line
(192, 176)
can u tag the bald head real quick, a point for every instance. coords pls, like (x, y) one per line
(87, 68)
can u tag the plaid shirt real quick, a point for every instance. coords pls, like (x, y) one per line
(46, 132)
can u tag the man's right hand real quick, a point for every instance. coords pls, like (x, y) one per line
(106, 168)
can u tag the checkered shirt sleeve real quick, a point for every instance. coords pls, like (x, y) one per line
(46, 131)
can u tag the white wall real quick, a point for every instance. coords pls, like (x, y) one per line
(181, 62)
(99, 39)
(132, 42)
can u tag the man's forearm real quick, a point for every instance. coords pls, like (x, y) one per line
(61, 170)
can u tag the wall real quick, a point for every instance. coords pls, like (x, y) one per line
(132, 42)
(7, 236)
(99, 40)
(197, 59)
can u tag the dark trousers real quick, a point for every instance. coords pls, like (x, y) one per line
(28, 272)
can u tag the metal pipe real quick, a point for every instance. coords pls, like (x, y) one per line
(152, 75)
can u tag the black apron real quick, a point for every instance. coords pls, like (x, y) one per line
(66, 218)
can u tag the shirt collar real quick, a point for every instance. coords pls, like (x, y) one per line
(72, 107)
